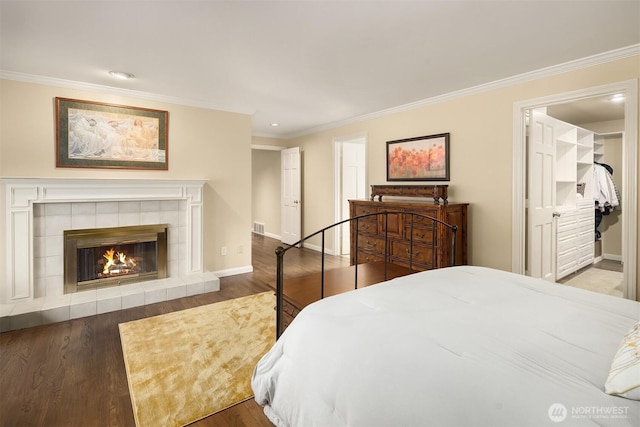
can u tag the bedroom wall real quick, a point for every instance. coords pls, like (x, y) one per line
(611, 225)
(481, 127)
(203, 144)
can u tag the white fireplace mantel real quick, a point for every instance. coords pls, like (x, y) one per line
(22, 193)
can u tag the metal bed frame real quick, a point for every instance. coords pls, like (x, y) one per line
(280, 252)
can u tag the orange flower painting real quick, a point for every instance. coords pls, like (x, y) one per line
(418, 159)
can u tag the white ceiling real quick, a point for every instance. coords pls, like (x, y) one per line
(590, 110)
(305, 64)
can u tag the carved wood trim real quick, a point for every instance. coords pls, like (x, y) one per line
(438, 192)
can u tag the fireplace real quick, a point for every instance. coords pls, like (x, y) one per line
(102, 257)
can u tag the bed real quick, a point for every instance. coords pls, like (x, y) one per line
(457, 346)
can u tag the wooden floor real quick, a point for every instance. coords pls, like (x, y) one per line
(72, 373)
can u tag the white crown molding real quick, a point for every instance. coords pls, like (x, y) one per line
(90, 87)
(614, 55)
(267, 147)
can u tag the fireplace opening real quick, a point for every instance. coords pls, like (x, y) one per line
(101, 257)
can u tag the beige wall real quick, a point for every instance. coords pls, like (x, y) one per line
(203, 144)
(611, 225)
(481, 127)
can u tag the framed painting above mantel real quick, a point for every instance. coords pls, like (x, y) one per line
(98, 135)
(423, 158)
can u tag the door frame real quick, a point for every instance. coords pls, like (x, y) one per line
(337, 180)
(629, 174)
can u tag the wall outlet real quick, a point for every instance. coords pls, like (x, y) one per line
(240, 249)
(223, 250)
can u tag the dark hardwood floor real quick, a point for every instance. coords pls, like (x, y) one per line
(72, 373)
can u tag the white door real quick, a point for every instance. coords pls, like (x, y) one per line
(541, 229)
(290, 196)
(353, 176)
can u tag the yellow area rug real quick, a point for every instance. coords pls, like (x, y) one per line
(189, 364)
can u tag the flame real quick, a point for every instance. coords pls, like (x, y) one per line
(117, 262)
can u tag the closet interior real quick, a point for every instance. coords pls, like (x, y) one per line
(587, 201)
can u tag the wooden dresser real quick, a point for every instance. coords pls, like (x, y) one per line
(427, 253)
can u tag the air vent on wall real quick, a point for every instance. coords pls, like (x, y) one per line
(258, 227)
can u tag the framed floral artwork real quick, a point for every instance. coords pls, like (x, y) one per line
(424, 158)
(98, 135)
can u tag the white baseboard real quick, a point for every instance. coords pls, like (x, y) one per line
(273, 236)
(267, 234)
(234, 271)
(318, 248)
(612, 257)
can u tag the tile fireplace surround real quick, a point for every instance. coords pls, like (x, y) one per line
(37, 211)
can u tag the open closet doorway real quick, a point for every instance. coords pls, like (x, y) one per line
(536, 248)
(350, 171)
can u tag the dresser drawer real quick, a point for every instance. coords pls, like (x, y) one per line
(422, 254)
(586, 227)
(585, 237)
(566, 264)
(289, 308)
(419, 219)
(367, 226)
(371, 244)
(365, 210)
(568, 243)
(420, 234)
(586, 257)
(366, 257)
(566, 225)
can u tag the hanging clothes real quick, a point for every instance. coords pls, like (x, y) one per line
(605, 193)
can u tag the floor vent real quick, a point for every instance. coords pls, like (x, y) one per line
(258, 227)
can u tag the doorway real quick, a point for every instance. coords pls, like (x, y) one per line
(629, 174)
(350, 173)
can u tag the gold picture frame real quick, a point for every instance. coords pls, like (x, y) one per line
(99, 135)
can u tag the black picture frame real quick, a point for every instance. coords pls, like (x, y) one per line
(423, 158)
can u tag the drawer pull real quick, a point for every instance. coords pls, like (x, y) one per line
(415, 254)
(420, 235)
(371, 244)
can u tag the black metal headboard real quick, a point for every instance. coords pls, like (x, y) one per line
(280, 252)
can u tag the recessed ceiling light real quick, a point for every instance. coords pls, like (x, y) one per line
(618, 97)
(275, 124)
(122, 75)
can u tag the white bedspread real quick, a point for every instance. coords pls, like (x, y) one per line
(461, 346)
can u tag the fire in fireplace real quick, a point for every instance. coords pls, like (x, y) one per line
(102, 257)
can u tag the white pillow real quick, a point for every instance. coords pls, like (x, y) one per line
(624, 376)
